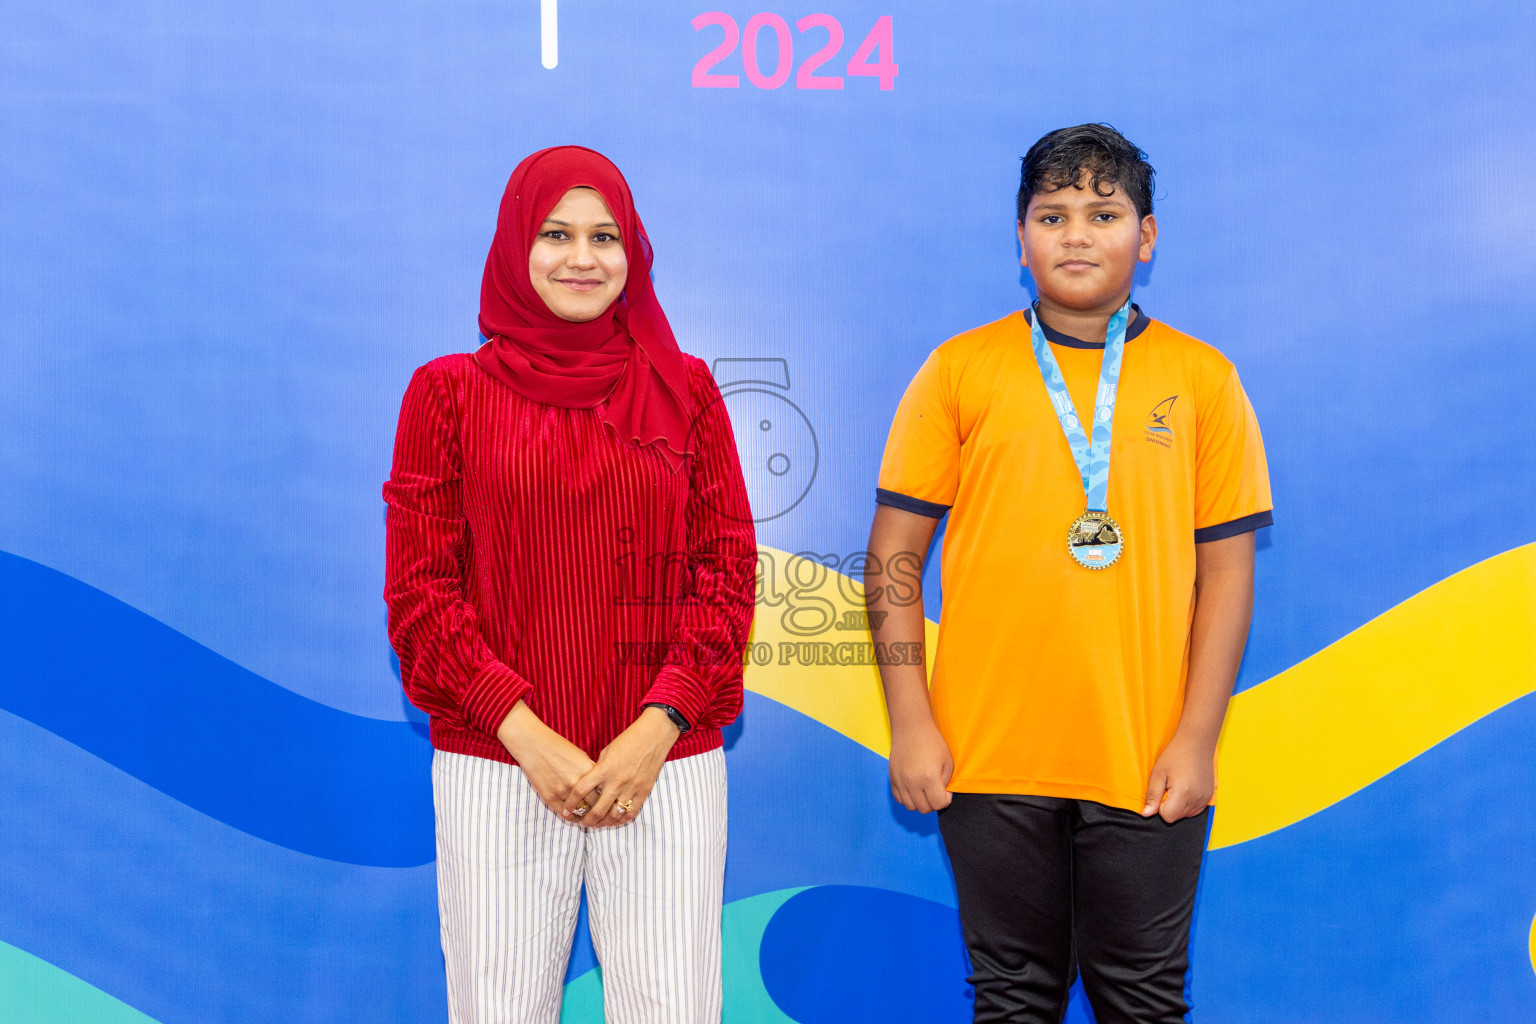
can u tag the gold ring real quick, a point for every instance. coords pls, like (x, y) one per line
(625, 806)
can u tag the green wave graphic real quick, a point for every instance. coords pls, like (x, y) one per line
(741, 938)
(33, 991)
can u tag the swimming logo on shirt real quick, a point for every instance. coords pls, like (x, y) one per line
(1159, 428)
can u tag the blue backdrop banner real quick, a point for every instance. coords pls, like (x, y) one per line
(231, 231)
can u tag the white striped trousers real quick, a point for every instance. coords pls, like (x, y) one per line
(509, 877)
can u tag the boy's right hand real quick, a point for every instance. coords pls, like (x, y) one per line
(551, 763)
(920, 769)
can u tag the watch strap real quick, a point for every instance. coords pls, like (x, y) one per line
(674, 714)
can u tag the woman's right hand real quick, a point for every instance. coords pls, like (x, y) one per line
(550, 762)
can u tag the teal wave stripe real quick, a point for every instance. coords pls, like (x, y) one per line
(34, 991)
(741, 939)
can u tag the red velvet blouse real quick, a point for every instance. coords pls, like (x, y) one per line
(534, 556)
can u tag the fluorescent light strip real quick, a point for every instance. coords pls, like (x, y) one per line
(549, 32)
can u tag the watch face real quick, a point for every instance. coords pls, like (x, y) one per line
(777, 448)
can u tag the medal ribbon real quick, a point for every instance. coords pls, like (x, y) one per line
(1092, 458)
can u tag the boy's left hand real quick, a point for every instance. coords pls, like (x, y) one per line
(1183, 781)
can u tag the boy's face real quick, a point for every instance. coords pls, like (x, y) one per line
(1082, 248)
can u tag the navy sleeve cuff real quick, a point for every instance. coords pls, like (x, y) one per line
(907, 503)
(1247, 524)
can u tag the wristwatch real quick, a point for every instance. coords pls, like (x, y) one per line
(674, 714)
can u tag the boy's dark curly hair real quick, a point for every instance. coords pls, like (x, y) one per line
(1063, 156)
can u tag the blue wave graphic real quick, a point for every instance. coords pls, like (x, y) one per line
(1427, 881)
(193, 922)
(842, 953)
(201, 729)
(1410, 901)
(851, 954)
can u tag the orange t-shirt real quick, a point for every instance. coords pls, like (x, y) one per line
(1051, 679)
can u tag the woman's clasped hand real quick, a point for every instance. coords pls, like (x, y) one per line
(607, 792)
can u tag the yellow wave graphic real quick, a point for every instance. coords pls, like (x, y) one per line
(1376, 699)
(811, 649)
(1292, 746)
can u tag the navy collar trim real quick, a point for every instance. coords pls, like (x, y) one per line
(1139, 322)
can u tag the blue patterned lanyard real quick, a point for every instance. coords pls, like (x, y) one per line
(1092, 459)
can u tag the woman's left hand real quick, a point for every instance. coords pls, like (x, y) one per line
(624, 773)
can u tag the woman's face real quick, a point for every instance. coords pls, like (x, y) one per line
(577, 263)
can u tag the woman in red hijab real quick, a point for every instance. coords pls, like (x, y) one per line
(570, 577)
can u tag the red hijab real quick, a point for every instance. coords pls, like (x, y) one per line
(625, 364)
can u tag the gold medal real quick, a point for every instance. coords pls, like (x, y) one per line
(1095, 541)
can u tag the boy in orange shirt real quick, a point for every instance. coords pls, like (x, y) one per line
(1098, 583)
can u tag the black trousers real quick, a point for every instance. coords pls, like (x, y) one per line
(1049, 887)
